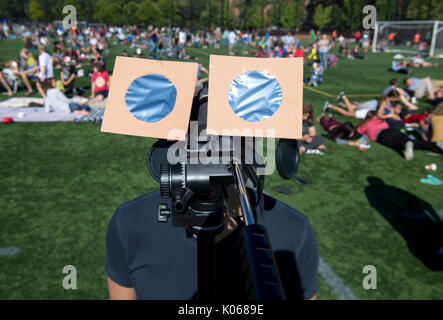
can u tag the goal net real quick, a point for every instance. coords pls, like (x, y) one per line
(424, 37)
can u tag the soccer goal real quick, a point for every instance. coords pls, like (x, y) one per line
(424, 37)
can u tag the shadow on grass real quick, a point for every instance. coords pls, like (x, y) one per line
(417, 222)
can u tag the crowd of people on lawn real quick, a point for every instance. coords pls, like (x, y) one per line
(72, 54)
(385, 120)
(392, 120)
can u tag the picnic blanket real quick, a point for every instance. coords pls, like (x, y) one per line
(21, 102)
(36, 115)
(96, 116)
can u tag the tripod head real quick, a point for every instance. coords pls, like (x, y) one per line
(196, 190)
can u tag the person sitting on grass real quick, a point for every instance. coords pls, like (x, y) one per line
(99, 83)
(26, 69)
(356, 54)
(317, 74)
(56, 101)
(400, 67)
(419, 87)
(378, 130)
(313, 52)
(342, 133)
(67, 75)
(345, 50)
(5, 84)
(310, 139)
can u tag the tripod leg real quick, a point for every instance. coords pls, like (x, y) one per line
(206, 266)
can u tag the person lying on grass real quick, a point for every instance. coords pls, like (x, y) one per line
(56, 101)
(359, 110)
(412, 118)
(342, 133)
(310, 139)
(378, 130)
(420, 87)
(418, 62)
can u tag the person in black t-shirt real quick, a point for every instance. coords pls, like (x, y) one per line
(67, 75)
(310, 139)
(146, 259)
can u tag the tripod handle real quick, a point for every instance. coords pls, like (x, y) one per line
(262, 277)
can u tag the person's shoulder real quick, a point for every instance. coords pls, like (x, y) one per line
(139, 204)
(283, 211)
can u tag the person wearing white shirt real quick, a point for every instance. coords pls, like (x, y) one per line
(46, 69)
(56, 101)
(182, 39)
(232, 37)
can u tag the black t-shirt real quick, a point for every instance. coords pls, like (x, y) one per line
(67, 71)
(160, 261)
(306, 124)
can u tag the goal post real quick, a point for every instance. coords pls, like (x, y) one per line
(415, 36)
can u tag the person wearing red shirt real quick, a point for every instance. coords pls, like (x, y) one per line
(99, 83)
(377, 129)
(357, 36)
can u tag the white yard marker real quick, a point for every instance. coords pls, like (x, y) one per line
(334, 281)
(9, 251)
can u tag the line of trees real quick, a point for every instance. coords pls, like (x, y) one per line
(242, 14)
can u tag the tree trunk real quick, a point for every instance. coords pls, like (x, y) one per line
(428, 16)
(221, 13)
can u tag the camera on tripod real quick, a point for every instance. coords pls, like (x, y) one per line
(209, 163)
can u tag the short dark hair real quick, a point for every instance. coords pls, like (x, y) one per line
(393, 81)
(98, 66)
(405, 80)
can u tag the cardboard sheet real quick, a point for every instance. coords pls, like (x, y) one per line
(118, 118)
(286, 121)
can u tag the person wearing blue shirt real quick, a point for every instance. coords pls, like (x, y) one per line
(422, 86)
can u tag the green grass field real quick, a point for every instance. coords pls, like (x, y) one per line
(61, 182)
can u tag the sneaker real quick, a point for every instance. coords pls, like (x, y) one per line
(326, 106)
(340, 96)
(409, 152)
(314, 151)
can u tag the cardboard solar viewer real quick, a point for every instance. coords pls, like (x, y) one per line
(247, 96)
(149, 98)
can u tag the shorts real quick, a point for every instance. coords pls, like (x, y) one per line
(103, 93)
(361, 113)
(75, 106)
(365, 44)
(314, 144)
(44, 81)
(365, 107)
